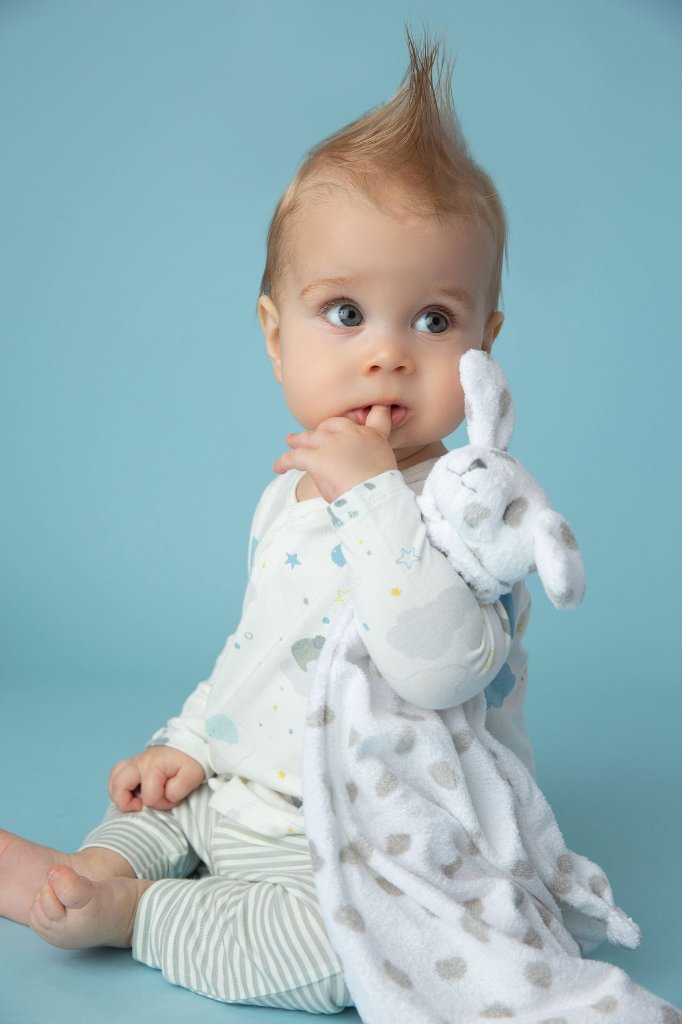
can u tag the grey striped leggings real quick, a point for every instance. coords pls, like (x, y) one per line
(247, 928)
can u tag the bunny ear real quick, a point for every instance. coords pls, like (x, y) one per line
(558, 560)
(488, 404)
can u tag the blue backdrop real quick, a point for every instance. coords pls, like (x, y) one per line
(144, 146)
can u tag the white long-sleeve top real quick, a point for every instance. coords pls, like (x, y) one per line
(426, 632)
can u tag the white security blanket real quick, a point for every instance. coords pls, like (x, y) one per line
(445, 885)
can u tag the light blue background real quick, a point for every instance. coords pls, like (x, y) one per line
(144, 144)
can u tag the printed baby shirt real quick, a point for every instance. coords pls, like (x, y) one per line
(424, 629)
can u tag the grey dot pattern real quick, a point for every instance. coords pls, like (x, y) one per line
(475, 514)
(321, 716)
(443, 774)
(561, 598)
(406, 740)
(473, 848)
(568, 536)
(387, 784)
(515, 511)
(561, 884)
(607, 1004)
(504, 403)
(315, 859)
(474, 906)
(538, 974)
(533, 938)
(599, 885)
(388, 887)
(451, 869)
(544, 913)
(352, 791)
(497, 1011)
(670, 1015)
(523, 869)
(396, 975)
(350, 917)
(398, 843)
(463, 740)
(350, 854)
(452, 969)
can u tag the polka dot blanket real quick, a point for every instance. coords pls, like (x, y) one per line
(445, 885)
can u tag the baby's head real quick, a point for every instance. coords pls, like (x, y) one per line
(384, 265)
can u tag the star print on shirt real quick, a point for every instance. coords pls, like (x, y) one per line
(292, 560)
(342, 596)
(407, 557)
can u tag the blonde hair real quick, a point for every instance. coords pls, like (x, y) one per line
(411, 148)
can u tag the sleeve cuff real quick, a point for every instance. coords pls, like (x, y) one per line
(357, 501)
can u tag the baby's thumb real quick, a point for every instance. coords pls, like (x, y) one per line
(178, 787)
(379, 419)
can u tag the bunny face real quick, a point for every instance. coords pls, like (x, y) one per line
(490, 500)
(486, 512)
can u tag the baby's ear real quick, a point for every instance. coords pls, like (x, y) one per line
(488, 403)
(269, 321)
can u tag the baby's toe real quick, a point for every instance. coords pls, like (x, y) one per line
(50, 905)
(72, 890)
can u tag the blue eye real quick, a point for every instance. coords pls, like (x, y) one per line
(436, 321)
(348, 314)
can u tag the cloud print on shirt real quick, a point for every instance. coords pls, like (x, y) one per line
(429, 631)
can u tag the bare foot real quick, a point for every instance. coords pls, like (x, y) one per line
(72, 912)
(24, 866)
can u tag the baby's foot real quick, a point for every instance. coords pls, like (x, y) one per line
(23, 868)
(72, 912)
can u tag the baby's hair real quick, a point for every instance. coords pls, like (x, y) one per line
(407, 156)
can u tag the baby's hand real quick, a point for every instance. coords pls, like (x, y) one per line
(159, 777)
(341, 453)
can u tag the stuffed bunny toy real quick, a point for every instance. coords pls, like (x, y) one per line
(486, 512)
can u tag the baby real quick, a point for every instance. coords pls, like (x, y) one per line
(383, 267)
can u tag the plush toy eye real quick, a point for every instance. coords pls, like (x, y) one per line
(477, 464)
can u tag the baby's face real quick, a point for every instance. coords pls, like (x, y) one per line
(376, 310)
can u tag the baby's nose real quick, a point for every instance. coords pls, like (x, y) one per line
(391, 354)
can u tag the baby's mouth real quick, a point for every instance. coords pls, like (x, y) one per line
(398, 414)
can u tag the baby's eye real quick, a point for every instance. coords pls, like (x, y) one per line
(348, 314)
(435, 320)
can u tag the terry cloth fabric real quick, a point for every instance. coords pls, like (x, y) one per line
(445, 884)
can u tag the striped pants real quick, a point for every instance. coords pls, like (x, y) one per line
(247, 927)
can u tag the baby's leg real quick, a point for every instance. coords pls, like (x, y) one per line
(252, 932)
(24, 867)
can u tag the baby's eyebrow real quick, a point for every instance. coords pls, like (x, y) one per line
(460, 295)
(327, 282)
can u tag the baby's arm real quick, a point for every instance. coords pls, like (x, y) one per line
(159, 777)
(425, 630)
